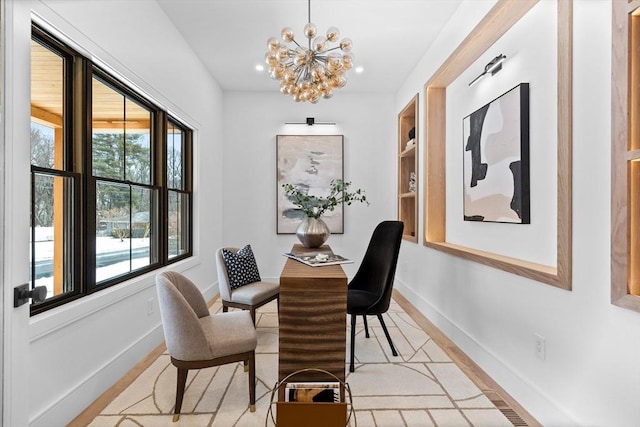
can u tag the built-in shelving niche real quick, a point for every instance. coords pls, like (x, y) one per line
(408, 169)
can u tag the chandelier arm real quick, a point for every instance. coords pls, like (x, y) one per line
(298, 72)
(307, 73)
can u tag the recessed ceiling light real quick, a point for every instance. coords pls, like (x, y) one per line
(359, 69)
(259, 67)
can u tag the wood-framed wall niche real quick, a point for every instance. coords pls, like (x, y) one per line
(625, 154)
(408, 163)
(493, 26)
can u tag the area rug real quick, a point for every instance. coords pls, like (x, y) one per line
(420, 387)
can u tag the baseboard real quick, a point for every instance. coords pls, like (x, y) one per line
(211, 291)
(532, 399)
(67, 406)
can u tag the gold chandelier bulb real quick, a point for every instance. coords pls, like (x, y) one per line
(310, 30)
(287, 34)
(333, 34)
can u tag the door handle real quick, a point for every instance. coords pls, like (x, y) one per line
(21, 294)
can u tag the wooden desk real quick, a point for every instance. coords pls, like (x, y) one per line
(313, 319)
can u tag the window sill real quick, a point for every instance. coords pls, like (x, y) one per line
(58, 318)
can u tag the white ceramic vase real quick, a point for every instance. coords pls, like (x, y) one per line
(313, 232)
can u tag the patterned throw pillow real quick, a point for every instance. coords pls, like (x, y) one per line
(241, 267)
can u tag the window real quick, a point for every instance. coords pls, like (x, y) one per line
(126, 202)
(178, 220)
(54, 187)
(625, 155)
(108, 168)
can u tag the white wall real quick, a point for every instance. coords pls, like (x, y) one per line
(77, 351)
(252, 121)
(591, 374)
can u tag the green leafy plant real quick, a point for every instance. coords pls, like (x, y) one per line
(314, 206)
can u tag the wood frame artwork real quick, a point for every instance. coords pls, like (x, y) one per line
(496, 159)
(310, 162)
(493, 26)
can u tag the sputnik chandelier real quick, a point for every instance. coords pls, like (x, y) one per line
(308, 73)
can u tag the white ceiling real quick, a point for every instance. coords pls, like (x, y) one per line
(389, 36)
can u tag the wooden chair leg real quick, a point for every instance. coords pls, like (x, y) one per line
(366, 326)
(180, 386)
(353, 342)
(386, 333)
(224, 308)
(252, 310)
(252, 383)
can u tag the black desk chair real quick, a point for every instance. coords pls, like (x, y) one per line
(369, 292)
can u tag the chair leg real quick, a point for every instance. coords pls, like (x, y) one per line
(386, 333)
(224, 308)
(252, 383)
(366, 326)
(252, 310)
(353, 341)
(182, 381)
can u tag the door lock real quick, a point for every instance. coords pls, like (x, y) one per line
(21, 294)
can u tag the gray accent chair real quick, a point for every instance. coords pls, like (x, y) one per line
(196, 339)
(247, 297)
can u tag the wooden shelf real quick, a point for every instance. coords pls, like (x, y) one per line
(408, 164)
(404, 195)
(411, 151)
(633, 155)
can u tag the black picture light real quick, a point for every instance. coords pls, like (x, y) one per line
(492, 67)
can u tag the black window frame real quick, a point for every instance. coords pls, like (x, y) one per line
(78, 154)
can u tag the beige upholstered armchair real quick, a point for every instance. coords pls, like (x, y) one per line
(196, 339)
(246, 296)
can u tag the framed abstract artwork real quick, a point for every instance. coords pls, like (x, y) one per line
(309, 162)
(496, 160)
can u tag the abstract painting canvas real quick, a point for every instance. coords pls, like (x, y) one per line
(309, 162)
(496, 160)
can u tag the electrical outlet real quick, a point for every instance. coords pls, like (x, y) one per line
(540, 349)
(149, 306)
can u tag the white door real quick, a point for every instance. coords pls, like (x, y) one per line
(15, 26)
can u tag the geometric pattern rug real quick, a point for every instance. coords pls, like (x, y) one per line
(420, 387)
